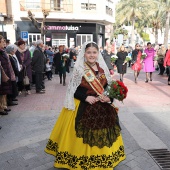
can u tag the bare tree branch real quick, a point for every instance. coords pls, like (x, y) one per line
(43, 28)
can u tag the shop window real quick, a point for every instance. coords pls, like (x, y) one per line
(33, 37)
(34, 4)
(59, 39)
(81, 38)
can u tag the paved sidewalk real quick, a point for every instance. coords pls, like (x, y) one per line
(26, 129)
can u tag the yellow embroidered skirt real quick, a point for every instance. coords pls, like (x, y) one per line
(72, 153)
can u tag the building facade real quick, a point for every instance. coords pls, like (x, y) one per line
(6, 20)
(70, 22)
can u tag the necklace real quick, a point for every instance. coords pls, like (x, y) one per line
(91, 65)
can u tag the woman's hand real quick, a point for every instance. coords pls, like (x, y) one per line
(104, 99)
(91, 99)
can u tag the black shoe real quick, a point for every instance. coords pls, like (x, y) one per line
(15, 100)
(7, 110)
(43, 87)
(40, 92)
(150, 79)
(43, 90)
(146, 81)
(12, 104)
(3, 113)
(0, 127)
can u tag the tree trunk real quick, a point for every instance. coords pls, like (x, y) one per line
(166, 33)
(42, 31)
(133, 30)
(156, 36)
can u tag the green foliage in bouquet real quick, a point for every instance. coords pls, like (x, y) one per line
(143, 56)
(113, 58)
(66, 56)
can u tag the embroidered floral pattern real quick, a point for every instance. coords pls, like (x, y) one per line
(86, 162)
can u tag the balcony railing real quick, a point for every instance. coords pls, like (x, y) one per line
(52, 7)
(109, 11)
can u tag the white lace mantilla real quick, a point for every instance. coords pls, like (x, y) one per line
(77, 75)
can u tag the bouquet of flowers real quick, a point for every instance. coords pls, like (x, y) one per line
(113, 58)
(117, 90)
(65, 56)
(155, 58)
(143, 56)
(128, 58)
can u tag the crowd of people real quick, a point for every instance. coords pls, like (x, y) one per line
(156, 58)
(23, 67)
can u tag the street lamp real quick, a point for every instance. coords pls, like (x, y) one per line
(2, 21)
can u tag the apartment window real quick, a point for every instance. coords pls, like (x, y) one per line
(88, 6)
(109, 11)
(59, 39)
(55, 4)
(34, 4)
(81, 38)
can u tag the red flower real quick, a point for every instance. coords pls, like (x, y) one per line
(118, 90)
(114, 86)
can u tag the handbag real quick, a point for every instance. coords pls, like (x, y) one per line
(4, 77)
(26, 80)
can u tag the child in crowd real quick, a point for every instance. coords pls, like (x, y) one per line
(48, 69)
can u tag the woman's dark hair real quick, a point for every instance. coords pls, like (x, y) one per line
(136, 44)
(148, 43)
(92, 44)
(20, 42)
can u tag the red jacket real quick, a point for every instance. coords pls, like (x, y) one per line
(167, 59)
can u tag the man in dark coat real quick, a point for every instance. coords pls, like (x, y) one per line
(38, 66)
(5, 87)
(57, 59)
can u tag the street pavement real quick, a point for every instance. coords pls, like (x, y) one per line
(144, 118)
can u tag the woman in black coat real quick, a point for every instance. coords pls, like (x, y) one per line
(5, 87)
(121, 62)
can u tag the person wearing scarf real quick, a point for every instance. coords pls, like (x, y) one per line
(24, 59)
(11, 49)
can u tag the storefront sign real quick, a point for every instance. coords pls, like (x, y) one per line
(63, 28)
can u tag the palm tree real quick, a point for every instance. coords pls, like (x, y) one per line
(157, 20)
(132, 10)
(166, 4)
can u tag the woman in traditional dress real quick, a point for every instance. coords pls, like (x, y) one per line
(149, 62)
(87, 133)
(136, 61)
